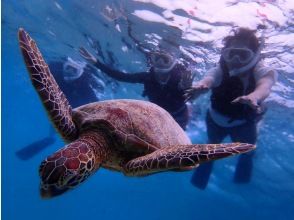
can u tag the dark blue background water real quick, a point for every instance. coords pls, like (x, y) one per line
(110, 195)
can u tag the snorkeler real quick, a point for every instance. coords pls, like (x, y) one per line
(78, 81)
(164, 83)
(80, 84)
(240, 83)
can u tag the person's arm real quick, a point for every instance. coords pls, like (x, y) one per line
(118, 75)
(263, 87)
(261, 92)
(121, 76)
(211, 80)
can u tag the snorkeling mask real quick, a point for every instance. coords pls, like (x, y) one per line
(162, 63)
(243, 56)
(73, 70)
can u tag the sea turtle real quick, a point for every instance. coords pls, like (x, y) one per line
(134, 137)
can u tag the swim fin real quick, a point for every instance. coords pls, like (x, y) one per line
(244, 169)
(201, 175)
(36, 147)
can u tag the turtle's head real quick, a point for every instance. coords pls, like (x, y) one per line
(67, 168)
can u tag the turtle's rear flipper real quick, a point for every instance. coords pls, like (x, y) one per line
(178, 157)
(52, 97)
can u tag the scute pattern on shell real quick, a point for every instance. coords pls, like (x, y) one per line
(137, 122)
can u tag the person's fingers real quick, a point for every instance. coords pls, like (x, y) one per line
(82, 50)
(84, 53)
(254, 105)
(238, 100)
(187, 98)
(81, 53)
(186, 95)
(188, 90)
(87, 55)
(247, 101)
(203, 87)
(259, 110)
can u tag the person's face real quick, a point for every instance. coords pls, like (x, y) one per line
(160, 60)
(162, 63)
(71, 73)
(237, 55)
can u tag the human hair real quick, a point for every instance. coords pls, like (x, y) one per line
(245, 35)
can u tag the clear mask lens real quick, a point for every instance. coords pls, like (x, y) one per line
(243, 55)
(161, 60)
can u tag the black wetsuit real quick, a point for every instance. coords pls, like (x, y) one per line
(78, 91)
(168, 96)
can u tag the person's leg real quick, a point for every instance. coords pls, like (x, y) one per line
(246, 134)
(215, 134)
(182, 117)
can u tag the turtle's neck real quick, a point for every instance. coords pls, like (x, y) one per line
(98, 143)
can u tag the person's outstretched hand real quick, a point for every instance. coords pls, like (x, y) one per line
(186, 80)
(87, 55)
(248, 100)
(195, 91)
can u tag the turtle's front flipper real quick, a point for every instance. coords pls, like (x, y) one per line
(53, 98)
(183, 156)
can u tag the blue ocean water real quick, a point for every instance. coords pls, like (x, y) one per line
(61, 27)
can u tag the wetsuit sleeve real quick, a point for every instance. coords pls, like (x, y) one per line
(121, 76)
